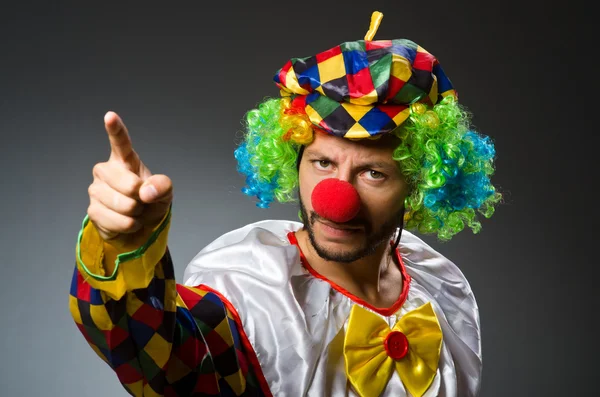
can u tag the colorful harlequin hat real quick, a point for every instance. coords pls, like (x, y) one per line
(363, 88)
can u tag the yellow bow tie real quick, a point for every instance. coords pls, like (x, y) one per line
(372, 350)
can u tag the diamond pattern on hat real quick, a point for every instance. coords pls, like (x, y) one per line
(331, 69)
(444, 84)
(321, 106)
(357, 131)
(341, 120)
(310, 78)
(349, 46)
(423, 60)
(325, 55)
(395, 85)
(361, 88)
(355, 61)
(301, 65)
(380, 70)
(409, 94)
(401, 68)
(375, 120)
(374, 74)
(307, 71)
(374, 45)
(398, 113)
(280, 77)
(421, 79)
(356, 111)
(337, 89)
(405, 48)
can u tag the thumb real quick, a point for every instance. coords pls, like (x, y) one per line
(157, 188)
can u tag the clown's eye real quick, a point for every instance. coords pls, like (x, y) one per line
(372, 174)
(322, 163)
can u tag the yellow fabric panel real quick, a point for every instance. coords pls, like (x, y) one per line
(357, 112)
(101, 317)
(171, 302)
(401, 116)
(291, 82)
(136, 388)
(357, 131)
(433, 93)
(315, 118)
(237, 381)
(401, 67)
(158, 349)
(421, 49)
(331, 69)
(224, 332)
(133, 304)
(74, 309)
(367, 99)
(132, 274)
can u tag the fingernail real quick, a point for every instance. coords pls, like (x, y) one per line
(107, 116)
(150, 191)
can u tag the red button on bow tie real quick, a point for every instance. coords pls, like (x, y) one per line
(396, 345)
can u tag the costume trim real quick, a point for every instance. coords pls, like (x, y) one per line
(126, 256)
(251, 354)
(406, 279)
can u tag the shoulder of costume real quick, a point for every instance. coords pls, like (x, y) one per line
(420, 258)
(277, 228)
(252, 251)
(451, 293)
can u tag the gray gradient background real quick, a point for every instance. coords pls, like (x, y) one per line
(173, 73)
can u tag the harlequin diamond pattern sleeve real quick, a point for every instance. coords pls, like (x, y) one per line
(161, 339)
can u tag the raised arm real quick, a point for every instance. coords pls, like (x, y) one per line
(124, 298)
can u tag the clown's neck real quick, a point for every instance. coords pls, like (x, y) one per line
(374, 278)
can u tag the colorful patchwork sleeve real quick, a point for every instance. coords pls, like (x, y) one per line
(161, 338)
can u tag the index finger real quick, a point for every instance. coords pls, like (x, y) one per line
(120, 142)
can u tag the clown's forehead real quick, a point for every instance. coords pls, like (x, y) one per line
(377, 152)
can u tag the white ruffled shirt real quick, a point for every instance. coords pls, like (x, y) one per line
(296, 322)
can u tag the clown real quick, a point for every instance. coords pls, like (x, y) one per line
(371, 138)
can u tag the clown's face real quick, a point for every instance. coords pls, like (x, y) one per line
(369, 167)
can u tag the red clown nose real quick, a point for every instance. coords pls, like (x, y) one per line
(335, 200)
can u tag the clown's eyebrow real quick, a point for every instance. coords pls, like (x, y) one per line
(385, 166)
(313, 152)
(316, 154)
